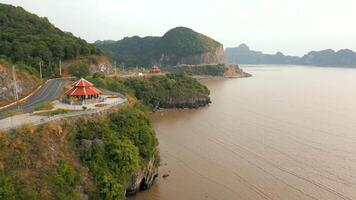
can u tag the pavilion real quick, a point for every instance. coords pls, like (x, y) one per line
(155, 69)
(83, 90)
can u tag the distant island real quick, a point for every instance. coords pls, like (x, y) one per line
(244, 55)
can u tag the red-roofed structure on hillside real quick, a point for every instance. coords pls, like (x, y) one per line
(155, 69)
(83, 89)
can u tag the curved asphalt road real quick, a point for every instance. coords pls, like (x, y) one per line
(50, 91)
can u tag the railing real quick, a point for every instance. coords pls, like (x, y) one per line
(73, 114)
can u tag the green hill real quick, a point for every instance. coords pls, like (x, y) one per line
(27, 38)
(130, 51)
(183, 41)
(178, 46)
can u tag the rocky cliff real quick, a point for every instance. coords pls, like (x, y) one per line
(143, 180)
(26, 83)
(215, 56)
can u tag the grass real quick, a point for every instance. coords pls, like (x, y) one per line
(55, 112)
(101, 105)
(12, 113)
(45, 106)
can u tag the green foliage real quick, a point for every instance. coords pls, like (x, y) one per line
(66, 180)
(204, 70)
(39, 162)
(116, 147)
(32, 71)
(80, 70)
(131, 51)
(7, 188)
(112, 84)
(176, 43)
(10, 189)
(27, 38)
(156, 91)
(183, 41)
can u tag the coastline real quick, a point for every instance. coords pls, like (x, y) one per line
(241, 75)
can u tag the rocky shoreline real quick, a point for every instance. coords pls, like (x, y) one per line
(191, 104)
(144, 179)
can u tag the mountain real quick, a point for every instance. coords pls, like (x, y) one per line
(27, 38)
(243, 55)
(329, 57)
(178, 46)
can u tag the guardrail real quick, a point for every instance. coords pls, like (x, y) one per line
(74, 114)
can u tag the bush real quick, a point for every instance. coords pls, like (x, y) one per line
(117, 147)
(156, 91)
(80, 70)
(7, 188)
(66, 180)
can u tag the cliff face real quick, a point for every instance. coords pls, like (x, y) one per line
(216, 56)
(143, 179)
(25, 84)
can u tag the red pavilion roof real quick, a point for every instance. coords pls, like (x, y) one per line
(80, 91)
(82, 83)
(155, 68)
(81, 88)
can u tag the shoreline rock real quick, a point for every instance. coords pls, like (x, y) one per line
(192, 104)
(143, 179)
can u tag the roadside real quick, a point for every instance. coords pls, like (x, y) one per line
(38, 119)
(50, 91)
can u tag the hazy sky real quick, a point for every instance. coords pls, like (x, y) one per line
(291, 26)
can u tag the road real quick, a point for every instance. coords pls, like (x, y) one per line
(51, 90)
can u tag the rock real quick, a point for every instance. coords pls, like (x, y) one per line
(165, 175)
(144, 179)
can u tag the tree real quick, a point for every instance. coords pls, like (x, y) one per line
(80, 70)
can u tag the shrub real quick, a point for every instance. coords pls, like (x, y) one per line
(80, 70)
(7, 188)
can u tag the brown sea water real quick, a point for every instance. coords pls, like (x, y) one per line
(288, 132)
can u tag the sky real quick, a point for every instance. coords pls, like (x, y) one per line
(293, 27)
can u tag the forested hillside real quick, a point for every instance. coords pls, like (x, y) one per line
(178, 46)
(27, 38)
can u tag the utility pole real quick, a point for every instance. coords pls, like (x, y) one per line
(15, 86)
(41, 70)
(60, 67)
(115, 68)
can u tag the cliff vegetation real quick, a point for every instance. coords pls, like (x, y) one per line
(174, 90)
(92, 158)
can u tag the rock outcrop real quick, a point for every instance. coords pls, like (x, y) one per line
(216, 56)
(26, 83)
(144, 179)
